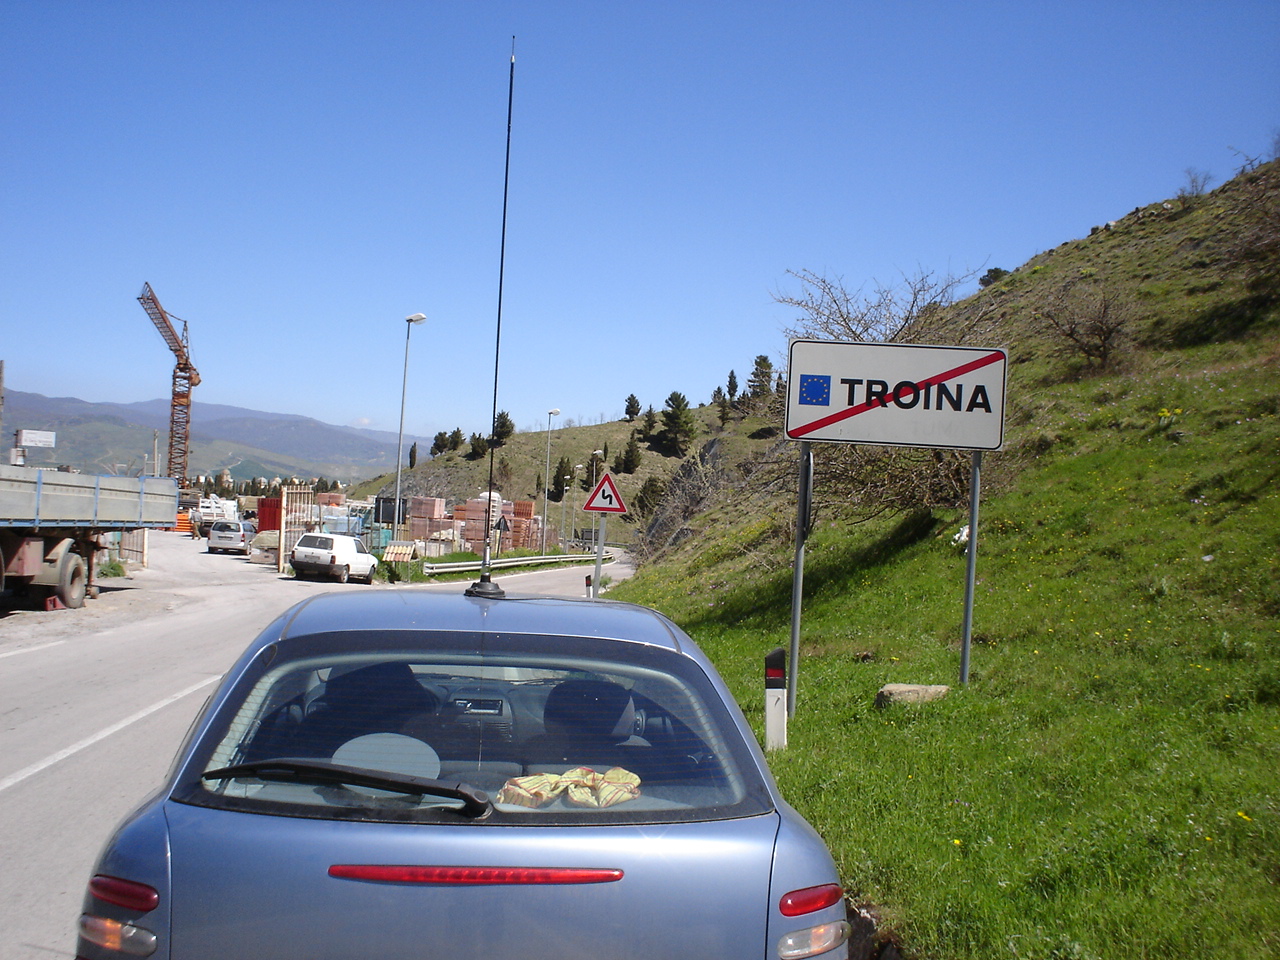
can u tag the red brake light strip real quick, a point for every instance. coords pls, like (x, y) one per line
(474, 876)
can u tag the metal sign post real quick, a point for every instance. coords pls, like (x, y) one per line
(803, 513)
(604, 500)
(894, 394)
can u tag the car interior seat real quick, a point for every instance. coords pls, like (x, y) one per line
(586, 722)
(379, 698)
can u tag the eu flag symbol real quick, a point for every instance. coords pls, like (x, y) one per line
(815, 391)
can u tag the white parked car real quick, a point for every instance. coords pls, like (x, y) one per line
(333, 555)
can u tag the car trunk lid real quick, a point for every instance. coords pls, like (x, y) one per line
(248, 884)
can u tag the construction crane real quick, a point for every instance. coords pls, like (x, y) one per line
(184, 378)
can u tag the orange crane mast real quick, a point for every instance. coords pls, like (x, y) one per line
(184, 378)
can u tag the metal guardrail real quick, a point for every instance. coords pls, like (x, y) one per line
(466, 565)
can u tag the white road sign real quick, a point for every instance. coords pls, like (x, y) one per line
(37, 438)
(896, 394)
(605, 497)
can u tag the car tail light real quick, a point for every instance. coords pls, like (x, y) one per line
(117, 935)
(810, 899)
(473, 876)
(814, 941)
(333, 559)
(121, 936)
(124, 893)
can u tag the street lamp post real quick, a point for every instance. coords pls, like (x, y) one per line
(576, 468)
(564, 498)
(410, 322)
(546, 481)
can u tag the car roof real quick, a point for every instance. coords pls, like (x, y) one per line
(416, 610)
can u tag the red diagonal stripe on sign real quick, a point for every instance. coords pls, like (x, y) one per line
(943, 377)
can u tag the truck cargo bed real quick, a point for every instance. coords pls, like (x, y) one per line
(36, 498)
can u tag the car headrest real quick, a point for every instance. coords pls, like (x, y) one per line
(596, 709)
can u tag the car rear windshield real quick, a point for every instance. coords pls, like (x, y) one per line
(223, 526)
(319, 543)
(553, 730)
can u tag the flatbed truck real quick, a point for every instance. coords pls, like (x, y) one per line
(51, 521)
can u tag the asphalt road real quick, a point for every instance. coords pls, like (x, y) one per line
(95, 702)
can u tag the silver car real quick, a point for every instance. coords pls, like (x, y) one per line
(414, 775)
(231, 535)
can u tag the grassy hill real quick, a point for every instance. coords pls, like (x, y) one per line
(521, 462)
(1106, 784)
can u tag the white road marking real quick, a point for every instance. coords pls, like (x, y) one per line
(102, 734)
(42, 646)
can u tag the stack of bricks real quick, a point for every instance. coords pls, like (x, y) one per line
(427, 508)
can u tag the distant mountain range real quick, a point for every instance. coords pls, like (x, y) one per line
(111, 438)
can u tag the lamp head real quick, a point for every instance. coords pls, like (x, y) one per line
(553, 412)
(415, 318)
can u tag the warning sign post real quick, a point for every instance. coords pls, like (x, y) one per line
(604, 500)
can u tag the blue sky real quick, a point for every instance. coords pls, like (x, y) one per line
(294, 178)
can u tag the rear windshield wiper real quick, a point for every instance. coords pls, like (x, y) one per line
(475, 803)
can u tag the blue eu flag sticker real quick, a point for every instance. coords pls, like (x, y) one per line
(815, 391)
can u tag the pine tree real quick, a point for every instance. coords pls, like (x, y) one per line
(631, 456)
(760, 384)
(413, 455)
(733, 386)
(503, 428)
(633, 408)
(650, 423)
(678, 424)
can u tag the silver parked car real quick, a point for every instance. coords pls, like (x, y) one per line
(415, 775)
(232, 535)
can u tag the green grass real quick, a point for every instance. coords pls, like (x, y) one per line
(1106, 786)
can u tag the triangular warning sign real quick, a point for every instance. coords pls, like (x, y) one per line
(605, 498)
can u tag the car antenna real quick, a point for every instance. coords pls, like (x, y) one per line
(485, 587)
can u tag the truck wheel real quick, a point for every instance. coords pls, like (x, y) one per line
(72, 581)
(344, 574)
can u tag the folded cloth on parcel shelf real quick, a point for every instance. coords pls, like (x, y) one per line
(581, 786)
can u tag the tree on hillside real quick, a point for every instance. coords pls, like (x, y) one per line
(1090, 320)
(717, 395)
(650, 493)
(593, 469)
(869, 481)
(440, 443)
(1195, 186)
(724, 411)
(679, 426)
(633, 408)
(905, 312)
(994, 275)
(563, 469)
(649, 424)
(760, 383)
(1254, 204)
(456, 439)
(629, 460)
(479, 447)
(733, 386)
(413, 455)
(503, 428)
